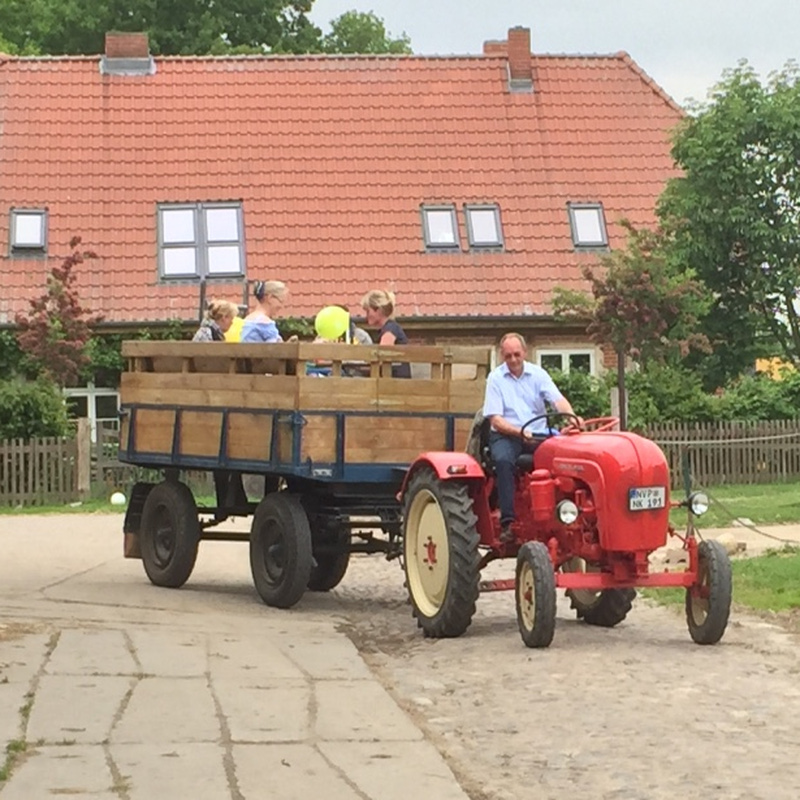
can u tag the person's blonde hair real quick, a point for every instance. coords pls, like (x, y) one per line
(512, 335)
(263, 289)
(379, 300)
(218, 309)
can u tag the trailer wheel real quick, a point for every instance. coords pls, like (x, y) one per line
(708, 602)
(280, 549)
(440, 549)
(330, 568)
(169, 534)
(605, 608)
(536, 595)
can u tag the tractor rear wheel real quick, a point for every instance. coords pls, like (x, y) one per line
(440, 554)
(536, 595)
(330, 568)
(169, 534)
(280, 549)
(708, 602)
(605, 608)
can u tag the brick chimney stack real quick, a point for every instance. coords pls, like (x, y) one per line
(127, 45)
(520, 72)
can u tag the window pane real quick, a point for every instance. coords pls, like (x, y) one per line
(223, 260)
(106, 406)
(222, 224)
(78, 406)
(179, 261)
(28, 230)
(588, 227)
(580, 362)
(551, 361)
(177, 225)
(440, 227)
(483, 226)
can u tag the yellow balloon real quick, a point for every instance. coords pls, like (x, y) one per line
(332, 322)
(234, 333)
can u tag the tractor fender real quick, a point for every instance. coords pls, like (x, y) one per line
(448, 466)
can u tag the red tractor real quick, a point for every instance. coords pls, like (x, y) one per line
(592, 503)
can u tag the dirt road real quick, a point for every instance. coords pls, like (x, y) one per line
(634, 712)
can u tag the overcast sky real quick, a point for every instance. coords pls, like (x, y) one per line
(684, 45)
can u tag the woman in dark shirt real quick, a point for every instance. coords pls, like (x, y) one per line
(379, 307)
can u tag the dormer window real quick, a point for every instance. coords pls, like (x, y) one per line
(440, 228)
(483, 226)
(588, 225)
(28, 231)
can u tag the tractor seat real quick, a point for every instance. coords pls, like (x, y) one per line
(478, 446)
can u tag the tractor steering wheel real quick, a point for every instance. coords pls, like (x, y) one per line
(550, 415)
(595, 425)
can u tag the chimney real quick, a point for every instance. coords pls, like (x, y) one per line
(520, 72)
(127, 54)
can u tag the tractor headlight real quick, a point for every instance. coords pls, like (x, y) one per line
(567, 512)
(698, 503)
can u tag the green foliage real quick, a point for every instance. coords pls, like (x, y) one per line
(302, 327)
(12, 359)
(770, 582)
(733, 215)
(31, 409)
(55, 332)
(588, 395)
(180, 27)
(757, 397)
(357, 32)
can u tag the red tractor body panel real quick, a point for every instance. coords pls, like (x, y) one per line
(611, 464)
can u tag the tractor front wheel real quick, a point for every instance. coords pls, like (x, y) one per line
(605, 608)
(708, 602)
(440, 549)
(536, 595)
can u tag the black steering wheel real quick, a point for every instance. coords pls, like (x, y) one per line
(551, 415)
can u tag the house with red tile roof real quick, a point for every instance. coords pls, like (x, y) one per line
(471, 186)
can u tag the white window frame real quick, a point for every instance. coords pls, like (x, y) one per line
(91, 392)
(430, 244)
(27, 248)
(583, 244)
(565, 353)
(497, 243)
(200, 243)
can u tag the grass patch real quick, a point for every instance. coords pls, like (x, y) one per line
(14, 750)
(773, 504)
(87, 507)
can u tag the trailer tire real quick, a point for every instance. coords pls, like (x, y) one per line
(440, 554)
(169, 534)
(536, 595)
(707, 617)
(330, 569)
(605, 608)
(280, 549)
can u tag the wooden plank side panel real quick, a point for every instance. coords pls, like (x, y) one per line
(392, 439)
(318, 439)
(337, 394)
(249, 436)
(154, 430)
(218, 391)
(462, 430)
(412, 395)
(201, 433)
(465, 397)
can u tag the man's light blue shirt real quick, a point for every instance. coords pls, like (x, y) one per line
(519, 399)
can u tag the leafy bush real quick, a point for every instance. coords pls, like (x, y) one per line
(30, 410)
(589, 396)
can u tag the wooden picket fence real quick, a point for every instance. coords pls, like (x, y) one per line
(38, 471)
(720, 453)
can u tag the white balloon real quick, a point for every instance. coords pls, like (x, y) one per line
(117, 499)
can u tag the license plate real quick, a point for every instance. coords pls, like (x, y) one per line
(646, 497)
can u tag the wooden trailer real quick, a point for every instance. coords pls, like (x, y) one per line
(328, 427)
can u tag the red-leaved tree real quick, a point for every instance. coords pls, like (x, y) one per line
(55, 331)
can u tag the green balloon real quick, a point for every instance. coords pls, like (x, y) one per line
(332, 322)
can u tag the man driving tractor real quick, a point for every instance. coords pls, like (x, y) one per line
(516, 391)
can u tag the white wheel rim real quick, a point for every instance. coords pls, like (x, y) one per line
(427, 553)
(585, 597)
(526, 596)
(698, 604)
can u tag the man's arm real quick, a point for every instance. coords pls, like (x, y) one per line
(565, 407)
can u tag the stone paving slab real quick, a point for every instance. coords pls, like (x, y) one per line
(62, 771)
(169, 653)
(290, 772)
(243, 657)
(81, 710)
(91, 652)
(169, 710)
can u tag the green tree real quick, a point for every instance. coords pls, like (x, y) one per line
(640, 303)
(358, 32)
(734, 215)
(180, 27)
(55, 332)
